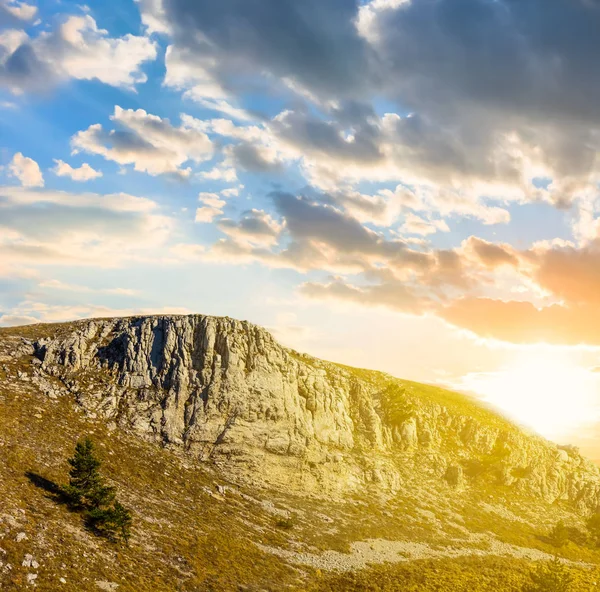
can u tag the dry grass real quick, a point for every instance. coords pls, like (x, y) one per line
(188, 537)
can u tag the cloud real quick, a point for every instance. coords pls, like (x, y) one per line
(476, 114)
(254, 159)
(11, 320)
(58, 285)
(26, 170)
(44, 227)
(522, 322)
(212, 207)
(570, 274)
(255, 227)
(415, 225)
(30, 311)
(84, 173)
(490, 254)
(13, 11)
(393, 295)
(77, 49)
(151, 144)
(313, 45)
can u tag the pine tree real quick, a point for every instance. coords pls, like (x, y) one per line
(113, 522)
(593, 526)
(84, 476)
(123, 520)
(88, 492)
(550, 577)
(559, 535)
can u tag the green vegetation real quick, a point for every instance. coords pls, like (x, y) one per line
(285, 523)
(552, 576)
(562, 535)
(88, 493)
(559, 535)
(593, 526)
(187, 538)
(467, 574)
(397, 407)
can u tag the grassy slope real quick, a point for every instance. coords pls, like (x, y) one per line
(188, 538)
(184, 538)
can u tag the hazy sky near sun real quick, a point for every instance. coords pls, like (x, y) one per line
(408, 185)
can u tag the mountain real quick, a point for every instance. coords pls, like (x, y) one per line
(250, 466)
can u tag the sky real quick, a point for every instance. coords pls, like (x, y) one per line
(405, 185)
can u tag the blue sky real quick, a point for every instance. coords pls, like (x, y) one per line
(409, 185)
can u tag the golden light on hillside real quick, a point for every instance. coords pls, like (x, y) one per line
(543, 390)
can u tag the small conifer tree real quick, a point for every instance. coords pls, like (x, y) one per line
(123, 520)
(593, 526)
(552, 576)
(88, 491)
(559, 535)
(84, 476)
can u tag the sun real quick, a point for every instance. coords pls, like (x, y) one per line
(543, 390)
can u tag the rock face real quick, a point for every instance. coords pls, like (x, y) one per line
(226, 392)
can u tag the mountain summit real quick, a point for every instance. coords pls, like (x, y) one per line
(223, 439)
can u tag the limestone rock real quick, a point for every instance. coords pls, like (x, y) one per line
(224, 391)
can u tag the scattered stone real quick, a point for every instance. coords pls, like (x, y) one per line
(106, 586)
(29, 561)
(21, 537)
(31, 578)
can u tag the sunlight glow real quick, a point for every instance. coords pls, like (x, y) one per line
(542, 390)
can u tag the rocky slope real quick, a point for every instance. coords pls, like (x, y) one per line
(225, 391)
(251, 467)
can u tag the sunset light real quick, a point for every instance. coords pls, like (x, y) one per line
(544, 391)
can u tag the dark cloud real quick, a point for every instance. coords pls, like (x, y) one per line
(22, 69)
(250, 158)
(255, 226)
(491, 84)
(327, 138)
(313, 43)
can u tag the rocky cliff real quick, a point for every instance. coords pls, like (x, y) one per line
(226, 392)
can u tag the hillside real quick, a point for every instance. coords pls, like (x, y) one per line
(252, 467)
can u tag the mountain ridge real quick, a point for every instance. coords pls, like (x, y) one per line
(324, 468)
(215, 386)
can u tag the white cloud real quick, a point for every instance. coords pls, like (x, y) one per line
(26, 170)
(153, 16)
(153, 145)
(212, 207)
(221, 172)
(414, 224)
(231, 192)
(79, 228)
(58, 285)
(84, 173)
(30, 311)
(19, 10)
(76, 49)
(189, 72)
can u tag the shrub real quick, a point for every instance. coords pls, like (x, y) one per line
(559, 535)
(285, 523)
(577, 536)
(552, 576)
